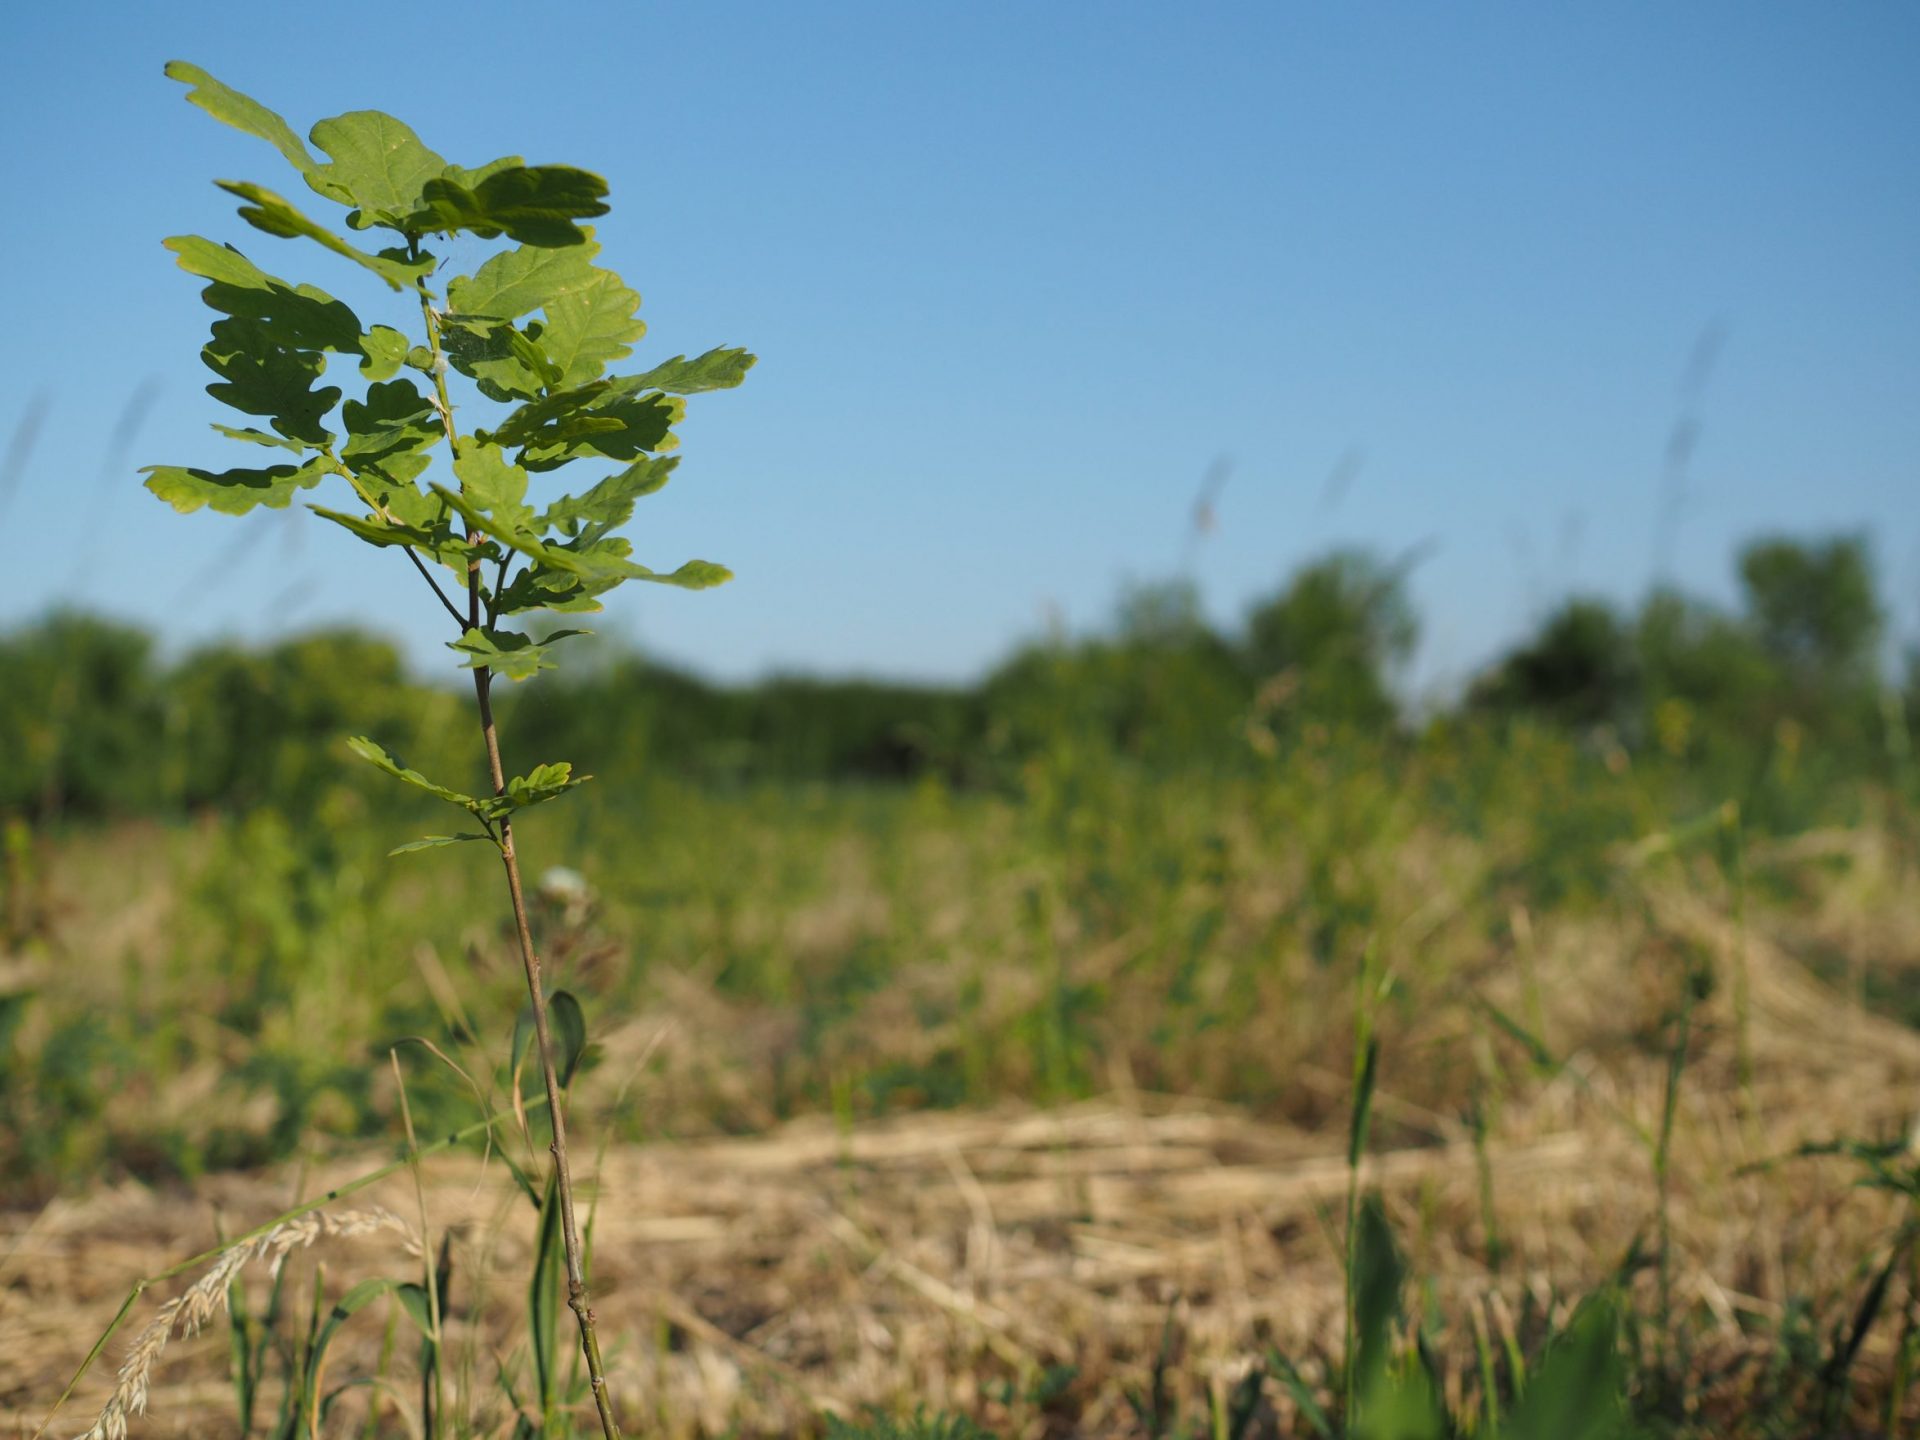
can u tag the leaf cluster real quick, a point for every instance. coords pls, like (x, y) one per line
(534, 328)
(536, 787)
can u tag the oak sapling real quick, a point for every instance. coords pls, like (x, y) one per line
(533, 330)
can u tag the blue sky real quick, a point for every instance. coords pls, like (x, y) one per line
(1019, 275)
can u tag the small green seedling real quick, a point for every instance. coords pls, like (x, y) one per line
(532, 330)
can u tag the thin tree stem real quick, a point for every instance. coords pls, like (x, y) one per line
(577, 1297)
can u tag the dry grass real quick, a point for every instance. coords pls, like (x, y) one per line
(954, 1259)
(938, 1257)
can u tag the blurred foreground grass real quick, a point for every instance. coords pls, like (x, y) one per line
(193, 996)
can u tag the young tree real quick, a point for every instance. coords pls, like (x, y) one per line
(533, 329)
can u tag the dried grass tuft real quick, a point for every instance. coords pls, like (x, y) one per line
(207, 1297)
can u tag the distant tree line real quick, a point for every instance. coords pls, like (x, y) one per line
(93, 723)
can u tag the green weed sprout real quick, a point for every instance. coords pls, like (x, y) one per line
(533, 329)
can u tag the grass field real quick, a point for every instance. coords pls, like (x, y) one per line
(1028, 1102)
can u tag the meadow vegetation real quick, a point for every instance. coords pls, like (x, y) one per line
(1580, 959)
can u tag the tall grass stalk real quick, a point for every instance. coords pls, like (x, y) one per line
(1680, 1044)
(1734, 859)
(1366, 1063)
(433, 1398)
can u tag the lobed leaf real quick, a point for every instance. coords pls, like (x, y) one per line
(612, 426)
(400, 521)
(377, 531)
(536, 787)
(694, 575)
(260, 437)
(460, 175)
(494, 486)
(719, 369)
(505, 362)
(260, 377)
(521, 281)
(377, 165)
(269, 212)
(394, 419)
(242, 112)
(300, 317)
(551, 415)
(435, 842)
(610, 503)
(375, 756)
(385, 350)
(598, 568)
(507, 652)
(405, 503)
(233, 492)
(535, 205)
(541, 587)
(589, 325)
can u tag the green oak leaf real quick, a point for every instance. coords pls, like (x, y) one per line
(503, 360)
(410, 505)
(407, 517)
(518, 282)
(434, 842)
(610, 503)
(494, 486)
(536, 787)
(380, 759)
(589, 325)
(640, 423)
(599, 567)
(268, 212)
(719, 369)
(695, 575)
(233, 492)
(460, 175)
(508, 653)
(385, 350)
(526, 348)
(543, 782)
(243, 113)
(260, 437)
(692, 575)
(538, 587)
(394, 419)
(376, 531)
(551, 416)
(260, 377)
(379, 166)
(298, 317)
(535, 205)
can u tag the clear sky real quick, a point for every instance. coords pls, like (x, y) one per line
(1019, 275)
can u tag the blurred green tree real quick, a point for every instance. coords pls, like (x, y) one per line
(80, 701)
(1816, 608)
(1580, 668)
(1332, 638)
